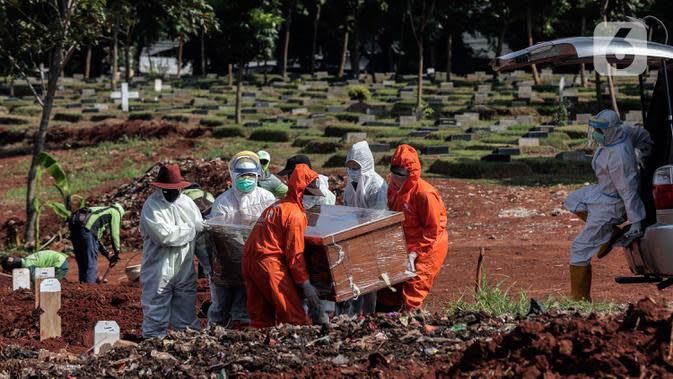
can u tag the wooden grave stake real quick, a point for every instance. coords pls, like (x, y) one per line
(50, 303)
(40, 275)
(20, 278)
(480, 273)
(106, 334)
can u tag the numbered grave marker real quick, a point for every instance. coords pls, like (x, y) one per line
(106, 334)
(20, 278)
(50, 303)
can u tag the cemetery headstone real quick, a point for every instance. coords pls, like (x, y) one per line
(106, 334)
(50, 303)
(157, 85)
(529, 142)
(41, 274)
(20, 278)
(124, 95)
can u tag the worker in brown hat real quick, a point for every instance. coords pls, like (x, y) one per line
(169, 224)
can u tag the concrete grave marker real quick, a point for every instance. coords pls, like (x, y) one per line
(125, 95)
(20, 278)
(41, 274)
(524, 92)
(528, 142)
(157, 85)
(430, 71)
(106, 334)
(408, 120)
(50, 303)
(299, 111)
(354, 137)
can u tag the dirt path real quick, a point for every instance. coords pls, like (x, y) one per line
(530, 253)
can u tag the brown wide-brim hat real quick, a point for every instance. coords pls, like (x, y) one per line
(169, 177)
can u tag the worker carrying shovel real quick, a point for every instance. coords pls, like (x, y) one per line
(87, 226)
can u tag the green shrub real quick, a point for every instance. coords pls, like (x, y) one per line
(321, 147)
(211, 121)
(359, 93)
(341, 130)
(12, 121)
(270, 135)
(141, 116)
(228, 131)
(68, 117)
(302, 141)
(336, 160)
(176, 118)
(348, 117)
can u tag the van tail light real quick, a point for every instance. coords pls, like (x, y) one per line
(662, 185)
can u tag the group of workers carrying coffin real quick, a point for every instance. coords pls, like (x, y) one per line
(275, 281)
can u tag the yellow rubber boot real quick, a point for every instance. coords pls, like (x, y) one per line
(580, 282)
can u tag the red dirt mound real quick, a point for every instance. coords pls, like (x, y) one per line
(82, 306)
(79, 137)
(633, 344)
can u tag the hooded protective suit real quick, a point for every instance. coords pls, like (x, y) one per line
(370, 192)
(273, 261)
(229, 301)
(167, 274)
(328, 197)
(615, 198)
(424, 229)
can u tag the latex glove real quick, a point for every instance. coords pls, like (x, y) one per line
(206, 227)
(635, 230)
(640, 160)
(311, 294)
(412, 261)
(198, 226)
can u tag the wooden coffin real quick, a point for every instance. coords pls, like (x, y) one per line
(354, 251)
(349, 251)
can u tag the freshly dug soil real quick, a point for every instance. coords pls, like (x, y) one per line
(635, 343)
(82, 306)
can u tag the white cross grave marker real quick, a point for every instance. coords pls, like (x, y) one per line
(125, 95)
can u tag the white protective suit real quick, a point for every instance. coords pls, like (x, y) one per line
(616, 197)
(371, 193)
(167, 274)
(229, 302)
(328, 198)
(372, 190)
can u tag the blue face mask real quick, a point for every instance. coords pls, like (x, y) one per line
(246, 184)
(598, 137)
(354, 175)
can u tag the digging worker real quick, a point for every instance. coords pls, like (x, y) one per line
(365, 189)
(246, 198)
(87, 226)
(41, 259)
(170, 223)
(611, 202)
(268, 180)
(273, 261)
(424, 228)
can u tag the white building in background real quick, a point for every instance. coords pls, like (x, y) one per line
(161, 58)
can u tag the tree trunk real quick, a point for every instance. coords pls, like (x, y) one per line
(599, 93)
(611, 88)
(449, 55)
(181, 43)
(55, 66)
(115, 54)
(87, 63)
(355, 54)
(498, 50)
(203, 52)
(286, 45)
(400, 54)
(127, 63)
(265, 74)
(344, 51)
(583, 74)
(11, 80)
(230, 76)
(529, 31)
(239, 81)
(419, 90)
(314, 42)
(149, 60)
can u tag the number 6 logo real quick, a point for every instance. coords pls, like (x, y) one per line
(620, 48)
